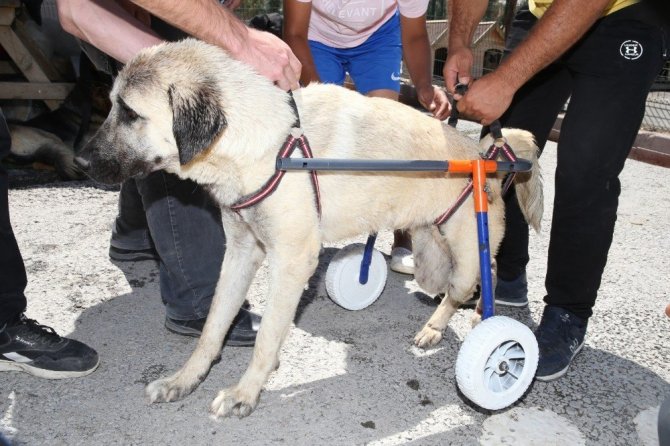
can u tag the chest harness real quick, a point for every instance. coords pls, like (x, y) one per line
(297, 139)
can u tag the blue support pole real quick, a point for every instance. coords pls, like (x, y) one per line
(367, 259)
(488, 302)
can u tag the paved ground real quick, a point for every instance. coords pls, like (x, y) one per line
(345, 377)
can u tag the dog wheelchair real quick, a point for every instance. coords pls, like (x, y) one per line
(497, 361)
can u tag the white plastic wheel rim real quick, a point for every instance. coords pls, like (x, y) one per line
(504, 367)
(342, 276)
(497, 362)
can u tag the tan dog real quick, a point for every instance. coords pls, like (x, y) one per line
(190, 109)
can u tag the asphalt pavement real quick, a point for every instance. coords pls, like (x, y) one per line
(346, 377)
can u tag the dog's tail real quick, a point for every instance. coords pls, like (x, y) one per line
(528, 185)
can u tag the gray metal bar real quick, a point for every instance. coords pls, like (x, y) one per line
(521, 165)
(360, 165)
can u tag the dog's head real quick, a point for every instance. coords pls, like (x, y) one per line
(166, 110)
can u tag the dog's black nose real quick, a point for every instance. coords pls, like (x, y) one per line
(82, 163)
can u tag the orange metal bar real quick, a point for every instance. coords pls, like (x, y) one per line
(468, 166)
(479, 183)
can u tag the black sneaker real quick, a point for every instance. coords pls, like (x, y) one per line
(560, 336)
(508, 293)
(26, 346)
(132, 255)
(242, 333)
(512, 293)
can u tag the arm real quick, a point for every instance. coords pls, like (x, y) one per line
(107, 26)
(416, 52)
(205, 19)
(464, 15)
(296, 24)
(216, 24)
(564, 23)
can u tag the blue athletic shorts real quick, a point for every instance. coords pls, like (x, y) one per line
(373, 65)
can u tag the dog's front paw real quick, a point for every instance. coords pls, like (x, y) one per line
(427, 337)
(168, 389)
(233, 401)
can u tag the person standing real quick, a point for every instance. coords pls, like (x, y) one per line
(25, 344)
(163, 217)
(604, 56)
(367, 40)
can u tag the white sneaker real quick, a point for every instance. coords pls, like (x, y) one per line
(402, 260)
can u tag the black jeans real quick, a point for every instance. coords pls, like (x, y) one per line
(181, 221)
(607, 76)
(12, 271)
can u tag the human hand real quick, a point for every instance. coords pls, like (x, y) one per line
(486, 99)
(271, 57)
(434, 99)
(457, 69)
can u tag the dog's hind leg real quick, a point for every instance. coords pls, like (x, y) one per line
(432, 260)
(461, 237)
(241, 261)
(292, 263)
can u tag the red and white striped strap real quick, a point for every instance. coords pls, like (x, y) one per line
(271, 185)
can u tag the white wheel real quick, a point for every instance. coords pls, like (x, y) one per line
(497, 362)
(342, 276)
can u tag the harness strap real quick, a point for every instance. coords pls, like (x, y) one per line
(307, 153)
(292, 141)
(499, 145)
(270, 185)
(508, 153)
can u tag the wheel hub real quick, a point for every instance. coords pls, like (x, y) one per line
(502, 368)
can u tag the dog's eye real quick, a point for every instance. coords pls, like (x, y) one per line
(128, 113)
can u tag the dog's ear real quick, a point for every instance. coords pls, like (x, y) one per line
(197, 119)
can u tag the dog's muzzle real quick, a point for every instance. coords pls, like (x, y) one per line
(108, 169)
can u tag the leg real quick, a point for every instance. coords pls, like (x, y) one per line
(593, 146)
(460, 233)
(25, 345)
(591, 154)
(186, 229)
(293, 259)
(12, 271)
(131, 239)
(243, 258)
(182, 223)
(663, 424)
(375, 65)
(329, 63)
(433, 259)
(535, 109)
